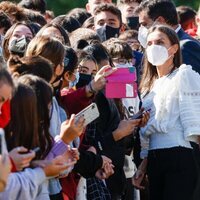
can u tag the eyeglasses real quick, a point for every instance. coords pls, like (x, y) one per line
(121, 61)
(83, 69)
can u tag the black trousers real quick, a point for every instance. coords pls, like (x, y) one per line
(56, 196)
(172, 174)
(129, 190)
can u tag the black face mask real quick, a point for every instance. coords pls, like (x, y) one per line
(107, 32)
(18, 46)
(66, 65)
(133, 22)
(84, 80)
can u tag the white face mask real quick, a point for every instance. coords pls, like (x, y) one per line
(142, 36)
(123, 65)
(157, 55)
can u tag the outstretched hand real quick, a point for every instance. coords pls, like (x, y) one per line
(99, 81)
(72, 128)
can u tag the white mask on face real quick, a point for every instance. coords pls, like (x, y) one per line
(123, 65)
(142, 36)
(157, 55)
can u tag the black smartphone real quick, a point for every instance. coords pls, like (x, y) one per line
(36, 149)
(139, 114)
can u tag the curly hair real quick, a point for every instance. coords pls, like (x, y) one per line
(15, 12)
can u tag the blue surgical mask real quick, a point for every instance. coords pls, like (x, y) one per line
(73, 83)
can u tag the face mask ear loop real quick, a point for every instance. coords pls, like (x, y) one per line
(168, 53)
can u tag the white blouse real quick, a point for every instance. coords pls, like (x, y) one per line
(175, 111)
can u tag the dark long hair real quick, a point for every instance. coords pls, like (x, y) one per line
(149, 71)
(44, 96)
(35, 65)
(22, 129)
(6, 53)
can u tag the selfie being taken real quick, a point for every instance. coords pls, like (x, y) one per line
(100, 100)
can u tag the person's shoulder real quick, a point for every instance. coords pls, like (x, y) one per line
(189, 41)
(186, 71)
(184, 37)
(187, 80)
(185, 68)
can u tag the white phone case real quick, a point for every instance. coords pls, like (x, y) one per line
(90, 113)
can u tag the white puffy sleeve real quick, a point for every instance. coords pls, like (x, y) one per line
(189, 102)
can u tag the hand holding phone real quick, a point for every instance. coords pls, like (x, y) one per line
(71, 128)
(21, 157)
(23, 151)
(144, 115)
(36, 149)
(139, 114)
(90, 113)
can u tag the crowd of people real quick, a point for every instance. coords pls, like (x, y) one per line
(141, 146)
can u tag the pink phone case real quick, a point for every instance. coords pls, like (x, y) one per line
(122, 83)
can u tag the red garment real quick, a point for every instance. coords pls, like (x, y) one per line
(5, 114)
(73, 101)
(13, 167)
(4, 120)
(192, 32)
(69, 185)
(65, 197)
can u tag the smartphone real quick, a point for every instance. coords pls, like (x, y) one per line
(36, 149)
(90, 113)
(139, 114)
(3, 146)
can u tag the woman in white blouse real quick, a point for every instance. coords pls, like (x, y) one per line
(172, 91)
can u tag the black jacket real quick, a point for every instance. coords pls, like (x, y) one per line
(190, 49)
(105, 144)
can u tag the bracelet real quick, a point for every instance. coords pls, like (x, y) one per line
(91, 90)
